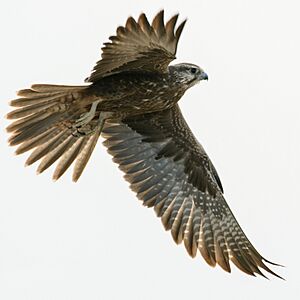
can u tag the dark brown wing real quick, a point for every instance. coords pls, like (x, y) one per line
(139, 46)
(170, 171)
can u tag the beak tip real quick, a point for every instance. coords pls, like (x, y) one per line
(203, 76)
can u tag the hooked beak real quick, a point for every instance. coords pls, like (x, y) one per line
(203, 76)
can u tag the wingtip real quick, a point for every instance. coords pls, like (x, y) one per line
(161, 12)
(274, 264)
(269, 270)
(180, 29)
(158, 23)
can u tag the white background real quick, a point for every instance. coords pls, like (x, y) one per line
(93, 239)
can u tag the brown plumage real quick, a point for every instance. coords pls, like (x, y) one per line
(132, 102)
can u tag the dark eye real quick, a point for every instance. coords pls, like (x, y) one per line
(193, 70)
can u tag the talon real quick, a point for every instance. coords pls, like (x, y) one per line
(88, 129)
(78, 134)
(83, 131)
(87, 117)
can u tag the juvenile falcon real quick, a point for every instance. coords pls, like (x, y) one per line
(131, 99)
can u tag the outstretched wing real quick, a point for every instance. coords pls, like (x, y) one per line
(170, 171)
(139, 46)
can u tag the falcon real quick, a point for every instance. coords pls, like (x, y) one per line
(131, 100)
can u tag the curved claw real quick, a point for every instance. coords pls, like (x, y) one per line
(90, 128)
(87, 117)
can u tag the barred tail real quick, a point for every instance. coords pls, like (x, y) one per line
(45, 122)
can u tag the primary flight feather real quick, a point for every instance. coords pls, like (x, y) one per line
(132, 101)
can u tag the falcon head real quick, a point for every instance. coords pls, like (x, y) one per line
(187, 74)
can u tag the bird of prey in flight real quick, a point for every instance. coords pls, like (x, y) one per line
(131, 100)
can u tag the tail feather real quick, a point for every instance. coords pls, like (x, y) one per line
(47, 147)
(52, 156)
(32, 109)
(68, 157)
(32, 130)
(49, 88)
(85, 155)
(19, 125)
(41, 97)
(35, 98)
(44, 122)
(38, 140)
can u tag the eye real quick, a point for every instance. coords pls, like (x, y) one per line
(193, 70)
